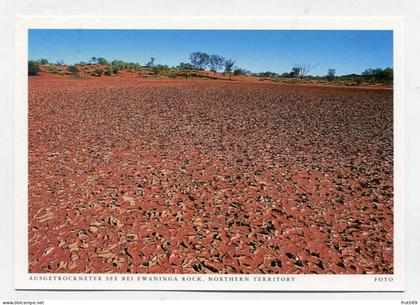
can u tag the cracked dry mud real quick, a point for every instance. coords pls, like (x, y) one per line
(134, 176)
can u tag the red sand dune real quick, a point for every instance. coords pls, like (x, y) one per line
(173, 176)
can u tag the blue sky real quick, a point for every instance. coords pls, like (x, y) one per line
(349, 51)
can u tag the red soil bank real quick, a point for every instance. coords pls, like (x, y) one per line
(208, 176)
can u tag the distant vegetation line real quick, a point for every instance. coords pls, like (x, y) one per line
(203, 62)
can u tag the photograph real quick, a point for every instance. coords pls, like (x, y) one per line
(209, 155)
(201, 152)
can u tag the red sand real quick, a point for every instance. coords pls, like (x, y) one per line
(175, 176)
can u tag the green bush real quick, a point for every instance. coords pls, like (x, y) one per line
(33, 67)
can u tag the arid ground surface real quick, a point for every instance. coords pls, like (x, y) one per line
(201, 176)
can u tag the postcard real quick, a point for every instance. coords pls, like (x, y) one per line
(210, 154)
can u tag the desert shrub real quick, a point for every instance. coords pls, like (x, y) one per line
(73, 69)
(115, 68)
(172, 74)
(109, 71)
(98, 72)
(33, 67)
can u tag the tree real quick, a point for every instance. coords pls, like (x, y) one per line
(303, 70)
(93, 60)
(33, 67)
(379, 75)
(101, 61)
(151, 63)
(199, 60)
(216, 62)
(295, 72)
(228, 66)
(330, 74)
(43, 61)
